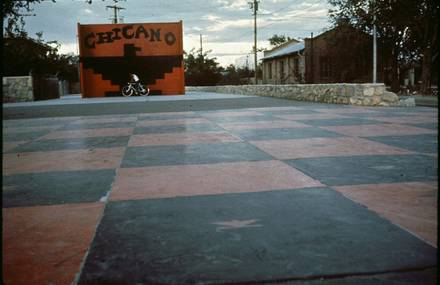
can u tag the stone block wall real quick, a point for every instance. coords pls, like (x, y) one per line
(17, 89)
(353, 94)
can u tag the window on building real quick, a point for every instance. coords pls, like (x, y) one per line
(269, 67)
(325, 66)
(281, 69)
(296, 66)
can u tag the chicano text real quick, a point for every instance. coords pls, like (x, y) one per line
(127, 32)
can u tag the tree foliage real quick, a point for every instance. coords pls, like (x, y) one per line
(201, 70)
(23, 55)
(277, 40)
(407, 30)
(233, 75)
(13, 12)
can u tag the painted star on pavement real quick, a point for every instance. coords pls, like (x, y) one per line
(236, 224)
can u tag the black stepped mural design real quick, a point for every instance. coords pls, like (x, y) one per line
(118, 69)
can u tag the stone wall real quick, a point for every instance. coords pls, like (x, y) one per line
(353, 94)
(17, 89)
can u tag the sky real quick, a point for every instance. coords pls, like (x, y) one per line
(227, 26)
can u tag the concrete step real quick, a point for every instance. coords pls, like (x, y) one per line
(427, 101)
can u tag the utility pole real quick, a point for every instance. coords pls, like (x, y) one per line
(374, 47)
(247, 68)
(201, 46)
(311, 59)
(254, 7)
(115, 12)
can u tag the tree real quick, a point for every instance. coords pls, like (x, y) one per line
(277, 40)
(12, 12)
(233, 75)
(23, 55)
(407, 30)
(423, 39)
(201, 70)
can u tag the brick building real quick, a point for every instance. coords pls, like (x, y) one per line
(341, 54)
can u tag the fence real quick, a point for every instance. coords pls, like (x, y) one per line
(45, 88)
(34, 88)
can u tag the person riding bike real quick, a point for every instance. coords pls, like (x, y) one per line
(135, 80)
(135, 86)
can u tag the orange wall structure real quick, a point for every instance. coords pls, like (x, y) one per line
(110, 52)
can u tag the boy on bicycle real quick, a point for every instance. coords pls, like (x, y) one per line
(134, 79)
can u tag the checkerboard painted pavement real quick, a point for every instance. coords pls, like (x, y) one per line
(301, 194)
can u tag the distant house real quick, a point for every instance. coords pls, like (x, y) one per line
(284, 64)
(341, 54)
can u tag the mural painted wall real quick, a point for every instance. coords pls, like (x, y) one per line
(110, 52)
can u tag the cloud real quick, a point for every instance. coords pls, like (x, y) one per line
(229, 24)
(211, 17)
(69, 48)
(226, 25)
(233, 4)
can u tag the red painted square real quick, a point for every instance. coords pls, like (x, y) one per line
(171, 122)
(411, 205)
(105, 119)
(262, 125)
(30, 129)
(46, 244)
(325, 147)
(181, 138)
(63, 160)
(208, 179)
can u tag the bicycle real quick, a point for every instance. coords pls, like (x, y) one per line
(133, 88)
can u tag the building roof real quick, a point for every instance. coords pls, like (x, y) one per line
(286, 50)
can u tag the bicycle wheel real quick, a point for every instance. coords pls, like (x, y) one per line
(144, 91)
(127, 91)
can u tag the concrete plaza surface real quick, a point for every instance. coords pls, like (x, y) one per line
(218, 189)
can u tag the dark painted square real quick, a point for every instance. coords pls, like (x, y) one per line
(363, 115)
(177, 129)
(353, 170)
(192, 154)
(425, 143)
(244, 119)
(171, 116)
(372, 114)
(430, 126)
(23, 136)
(276, 235)
(36, 122)
(73, 143)
(288, 112)
(284, 133)
(421, 277)
(338, 122)
(87, 126)
(50, 188)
